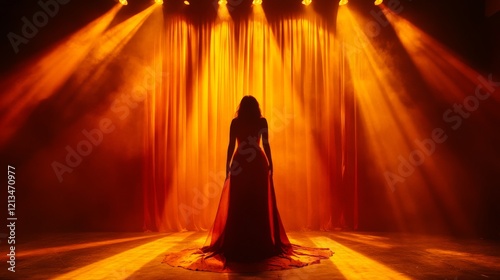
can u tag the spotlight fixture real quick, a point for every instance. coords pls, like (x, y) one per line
(378, 2)
(187, 3)
(123, 2)
(306, 2)
(343, 2)
(159, 1)
(222, 2)
(256, 2)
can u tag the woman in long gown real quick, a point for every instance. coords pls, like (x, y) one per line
(253, 230)
(247, 227)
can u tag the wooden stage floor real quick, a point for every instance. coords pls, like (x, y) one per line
(357, 256)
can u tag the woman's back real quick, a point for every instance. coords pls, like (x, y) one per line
(247, 226)
(248, 131)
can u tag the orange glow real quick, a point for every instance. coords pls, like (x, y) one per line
(65, 248)
(39, 79)
(188, 132)
(394, 130)
(123, 2)
(354, 265)
(306, 2)
(378, 2)
(452, 82)
(109, 49)
(83, 57)
(124, 264)
(159, 1)
(223, 12)
(369, 240)
(440, 67)
(343, 2)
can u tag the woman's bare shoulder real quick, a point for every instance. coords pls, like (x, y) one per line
(234, 122)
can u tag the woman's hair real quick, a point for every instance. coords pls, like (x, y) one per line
(248, 109)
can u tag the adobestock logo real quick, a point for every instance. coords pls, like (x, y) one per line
(121, 108)
(454, 118)
(40, 19)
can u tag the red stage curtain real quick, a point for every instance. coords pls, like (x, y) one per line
(294, 68)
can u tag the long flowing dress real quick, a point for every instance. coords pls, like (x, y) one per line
(247, 234)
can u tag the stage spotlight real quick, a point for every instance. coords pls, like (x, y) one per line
(222, 2)
(257, 2)
(378, 2)
(123, 2)
(159, 1)
(187, 3)
(343, 2)
(306, 2)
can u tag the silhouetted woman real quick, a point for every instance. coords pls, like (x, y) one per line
(248, 226)
(247, 229)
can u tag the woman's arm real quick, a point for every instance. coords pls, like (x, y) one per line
(265, 143)
(230, 147)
